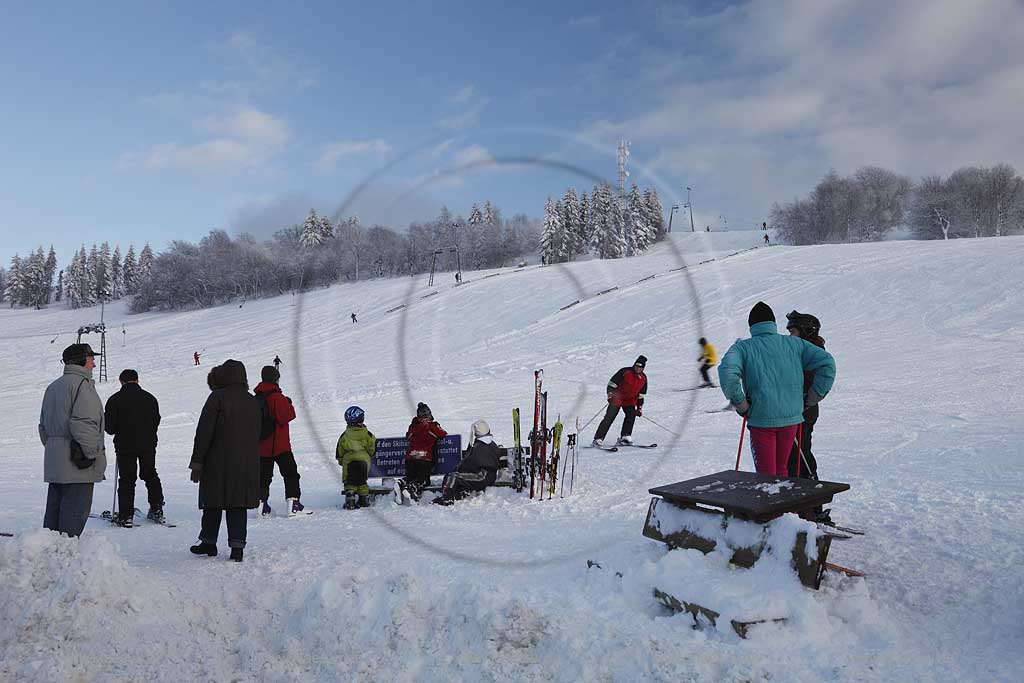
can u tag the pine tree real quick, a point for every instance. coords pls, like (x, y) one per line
(51, 269)
(552, 238)
(144, 270)
(571, 222)
(58, 293)
(476, 239)
(608, 238)
(640, 231)
(130, 271)
(315, 230)
(492, 226)
(116, 274)
(14, 291)
(88, 283)
(655, 214)
(35, 287)
(586, 223)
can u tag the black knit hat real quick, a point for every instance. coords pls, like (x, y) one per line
(641, 361)
(760, 313)
(423, 410)
(270, 374)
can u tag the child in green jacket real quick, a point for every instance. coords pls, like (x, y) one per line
(355, 448)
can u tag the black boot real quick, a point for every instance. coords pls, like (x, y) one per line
(203, 548)
(236, 554)
(364, 501)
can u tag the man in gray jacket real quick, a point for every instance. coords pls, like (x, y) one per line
(72, 413)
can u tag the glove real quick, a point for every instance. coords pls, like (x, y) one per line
(742, 408)
(811, 399)
(639, 411)
(197, 473)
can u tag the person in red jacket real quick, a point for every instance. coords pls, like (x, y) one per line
(423, 434)
(626, 390)
(277, 448)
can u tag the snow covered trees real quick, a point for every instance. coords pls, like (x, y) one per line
(552, 239)
(598, 223)
(608, 238)
(316, 230)
(873, 202)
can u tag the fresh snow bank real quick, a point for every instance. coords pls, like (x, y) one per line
(929, 343)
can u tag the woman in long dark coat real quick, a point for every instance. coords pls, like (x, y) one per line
(225, 458)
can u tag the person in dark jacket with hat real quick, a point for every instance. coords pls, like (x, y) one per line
(226, 460)
(423, 434)
(478, 469)
(277, 448)
(71, 429)
(763, 378)
(626, 390)
(132, 416)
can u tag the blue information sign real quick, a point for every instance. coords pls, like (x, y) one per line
(389, 458)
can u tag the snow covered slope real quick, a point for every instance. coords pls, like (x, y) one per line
(924, 423)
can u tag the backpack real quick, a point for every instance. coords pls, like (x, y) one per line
(267, 423)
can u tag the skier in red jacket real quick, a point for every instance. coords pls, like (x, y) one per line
(626, 390)
(423, 434)
(277, 448)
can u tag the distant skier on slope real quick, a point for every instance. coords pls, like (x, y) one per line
(708, 359)
(766, 238)
(277, 362)
(478, 469)
(354, 318)
(195, 356)
(626, 390)
(423, 434)
(763, 376)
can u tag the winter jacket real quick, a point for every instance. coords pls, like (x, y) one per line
(282, 412)
(708, 355)
(132, 417)
(767, 370)
(357, 443)
(483, 456)
(422, 435)
(627, 388)
(58, 426)
(227, 443)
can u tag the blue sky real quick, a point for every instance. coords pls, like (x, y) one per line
(135, 122)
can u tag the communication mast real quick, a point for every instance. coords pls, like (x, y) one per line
(623, 159)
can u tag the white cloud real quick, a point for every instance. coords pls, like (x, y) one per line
(245, 139)
(250, 124)
(334, 151)
(471, 106)
(474, 154)
(792, 88)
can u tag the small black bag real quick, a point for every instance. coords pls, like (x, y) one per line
(78, 458)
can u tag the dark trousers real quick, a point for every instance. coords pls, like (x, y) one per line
(67, 508)
(808, 466)
(236, 526)
(417, 472)
(458, 484)
(142, 466)
(289, 472)
(609, 417)
(704, 373)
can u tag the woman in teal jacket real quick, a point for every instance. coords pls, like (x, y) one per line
(763, 378)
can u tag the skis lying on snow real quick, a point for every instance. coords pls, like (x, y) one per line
(844, 529)
(843, 570)
(637, 445)
(107, 515)
(610, 449)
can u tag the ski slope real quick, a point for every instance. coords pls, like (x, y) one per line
(924, 423)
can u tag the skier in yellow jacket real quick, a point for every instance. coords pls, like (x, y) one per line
(708, 359)
(355, 449)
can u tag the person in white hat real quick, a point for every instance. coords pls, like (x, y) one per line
(478, 469)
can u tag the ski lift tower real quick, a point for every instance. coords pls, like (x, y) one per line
(623, 159)
(458, 262)
(101, 329)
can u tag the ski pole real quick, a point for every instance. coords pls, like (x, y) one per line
(799, 447)
(743, 428)
(113, 506)
(591, 419)
(658, 425)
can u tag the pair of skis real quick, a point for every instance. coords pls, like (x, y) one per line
(543, 473)
(111, 517)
